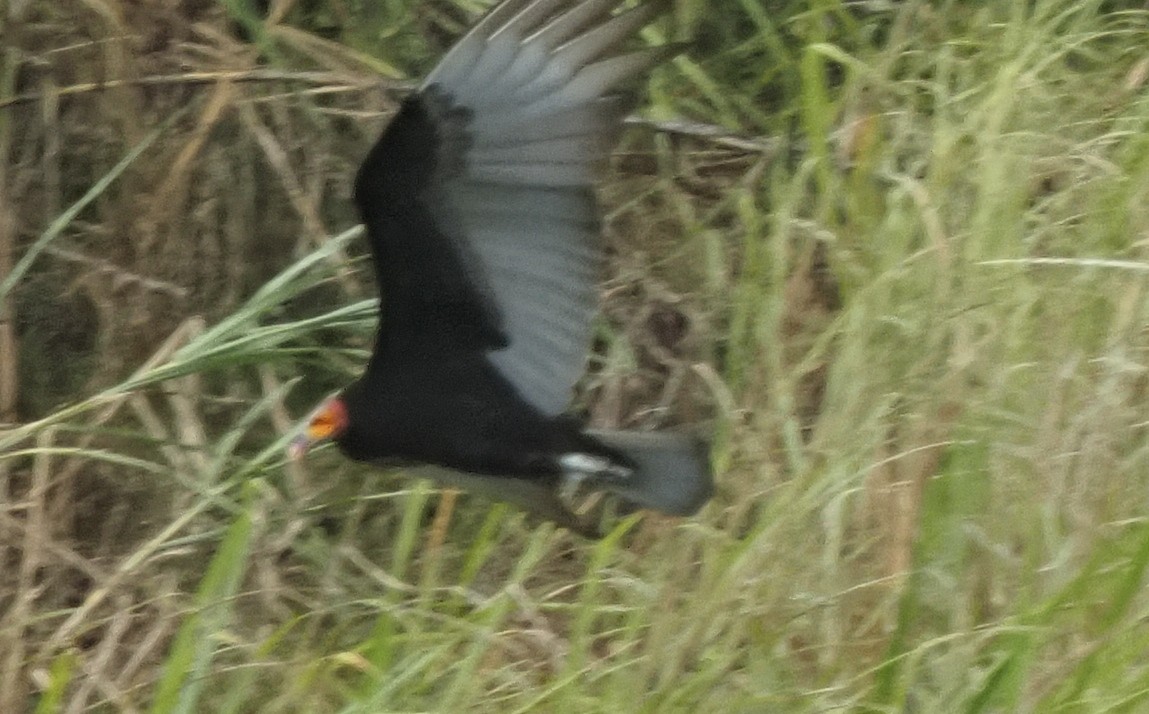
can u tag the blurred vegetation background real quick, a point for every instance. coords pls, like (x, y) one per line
(890, 254)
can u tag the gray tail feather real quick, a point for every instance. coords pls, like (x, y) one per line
(673, 470)
(672, 475)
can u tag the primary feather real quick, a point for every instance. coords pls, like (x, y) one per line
(480, 211)
(543, 86)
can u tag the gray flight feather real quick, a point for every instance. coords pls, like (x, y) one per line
(544, 83)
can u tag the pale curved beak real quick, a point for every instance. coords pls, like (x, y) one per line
(327, 422)
(299, 447)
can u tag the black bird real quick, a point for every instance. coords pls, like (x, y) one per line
(480, 210)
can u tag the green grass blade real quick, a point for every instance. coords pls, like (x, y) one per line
(187, 669)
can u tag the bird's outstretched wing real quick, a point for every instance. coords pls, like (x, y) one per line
(479, 200)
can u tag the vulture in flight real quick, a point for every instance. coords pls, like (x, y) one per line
(480, 211)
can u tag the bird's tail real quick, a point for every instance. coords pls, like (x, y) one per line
(672, 471)
(666, 472)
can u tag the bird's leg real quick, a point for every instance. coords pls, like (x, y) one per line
(443, 513)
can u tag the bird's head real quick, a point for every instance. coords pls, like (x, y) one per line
(329, 421)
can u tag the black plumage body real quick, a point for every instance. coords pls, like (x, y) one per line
(430, 394)
(455, 410)
(431, 297)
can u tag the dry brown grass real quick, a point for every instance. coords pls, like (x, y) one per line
(220, 203)
(963, 522)
(255, 172)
